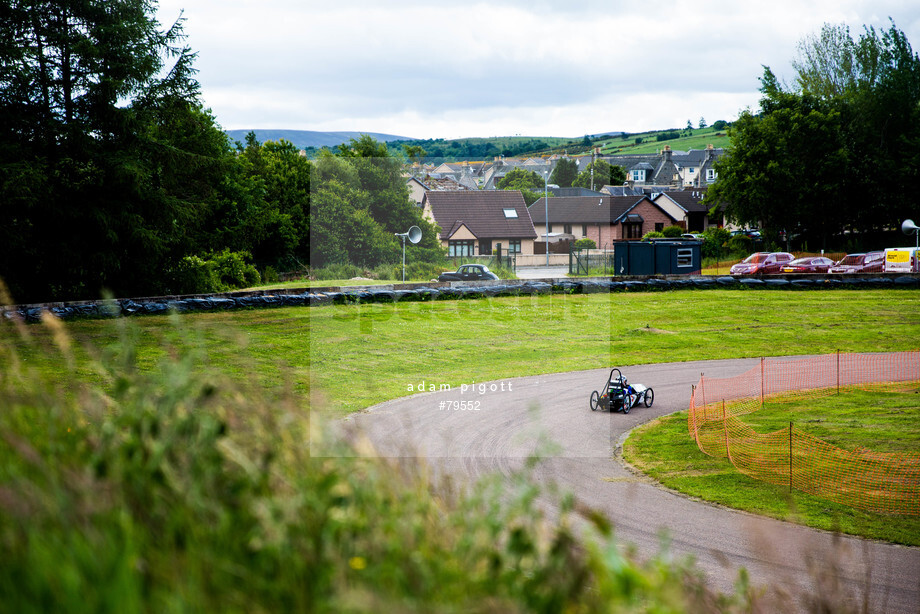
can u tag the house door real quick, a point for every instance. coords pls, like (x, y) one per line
(485, 247)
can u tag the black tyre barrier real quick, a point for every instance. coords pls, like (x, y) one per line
(161, 305)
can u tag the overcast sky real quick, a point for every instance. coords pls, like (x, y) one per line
(529, 67)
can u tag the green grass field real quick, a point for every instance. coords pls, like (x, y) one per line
(881, 419)
(157, 463)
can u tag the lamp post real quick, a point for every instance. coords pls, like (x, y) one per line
(546, 209)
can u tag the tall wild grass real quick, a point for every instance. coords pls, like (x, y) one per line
(178, 489)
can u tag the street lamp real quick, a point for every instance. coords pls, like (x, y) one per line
(546, 209)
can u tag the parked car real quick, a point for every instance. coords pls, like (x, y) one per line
(808, 264)
(692, 236)
(762, 263)
(468, 272)
(870, 262)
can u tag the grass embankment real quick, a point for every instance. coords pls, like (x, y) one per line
(157, 465)
(359, 355)
(879, 418)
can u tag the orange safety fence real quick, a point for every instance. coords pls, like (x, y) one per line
(873, 481)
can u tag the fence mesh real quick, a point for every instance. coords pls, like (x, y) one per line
(873, 481)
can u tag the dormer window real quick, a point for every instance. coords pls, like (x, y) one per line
(638, 175)
(710, 174)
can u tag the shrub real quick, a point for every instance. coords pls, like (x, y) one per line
(585, 243)
(714, 240)
(653, 234)
(740, 245)
(234, 270)
(672, 232)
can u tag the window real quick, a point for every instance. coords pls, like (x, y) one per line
(638, 175)
(710, 174)
(510, 213)
(567, 229)
(584, 230)
(632, 230)
(514, 247)
(685, 257)
(692, 170)
(460, 248)
(659, 226)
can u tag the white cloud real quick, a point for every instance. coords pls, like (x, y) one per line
(503, 67)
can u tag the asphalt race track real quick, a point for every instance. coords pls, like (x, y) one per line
(506, 426)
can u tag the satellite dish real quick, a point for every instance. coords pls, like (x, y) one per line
(908, 227)
(414, 234)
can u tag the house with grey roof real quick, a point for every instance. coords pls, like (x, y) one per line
(696, 167)
(603, 218)
(669, 169)
(687, 206)
(419, 187)
(475, 222)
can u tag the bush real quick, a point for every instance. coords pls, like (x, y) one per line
(714, 240)
(234, 271)
(672, 232)
(653, 234)
(740, 245)
(585, 243)
(213, 273)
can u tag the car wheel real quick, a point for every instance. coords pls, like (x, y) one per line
(595, 400)
(649, 397)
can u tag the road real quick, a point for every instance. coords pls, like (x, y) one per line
(514, 413)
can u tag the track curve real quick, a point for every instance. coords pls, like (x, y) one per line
(514, 416)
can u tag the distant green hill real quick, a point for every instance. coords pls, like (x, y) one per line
(306, 139)
(652, 142)
(487, 148)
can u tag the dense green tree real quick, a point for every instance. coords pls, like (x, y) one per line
(359, 202)
(829, 155)
(519, 178)
(604, 174)
(106, 155)
(564, 173)
(530, 184)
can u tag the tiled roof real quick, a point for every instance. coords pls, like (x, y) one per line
(602, 209)
(690, 199)
(482, 212)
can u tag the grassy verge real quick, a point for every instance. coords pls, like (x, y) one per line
(141, 471)
(359, 355)
(882, 419)
(157, 463)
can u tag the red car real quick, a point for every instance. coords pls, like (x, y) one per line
(870, 262)
(762, 263)
(808, 264)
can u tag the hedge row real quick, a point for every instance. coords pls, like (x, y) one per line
(127, 307)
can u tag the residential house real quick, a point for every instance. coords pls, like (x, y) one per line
(603, 218)
(418, 188)
(475, 222)
(696, 166)
(686, 206)
(669, 169)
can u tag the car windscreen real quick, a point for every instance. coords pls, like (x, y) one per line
(756, 258)
(857, 259)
